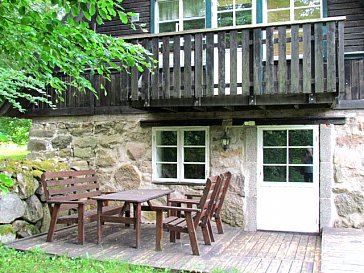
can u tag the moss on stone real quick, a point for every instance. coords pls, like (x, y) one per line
(6, 229)
(37, 173)
(30, 169)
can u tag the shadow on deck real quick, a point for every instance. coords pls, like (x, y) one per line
(234, 251)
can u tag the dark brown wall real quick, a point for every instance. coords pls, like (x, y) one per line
(116, 28)
(354, 79)
(354, 25)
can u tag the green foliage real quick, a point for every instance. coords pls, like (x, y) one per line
(38, 38)
(14, 130)
(5, 182)
(12, 261)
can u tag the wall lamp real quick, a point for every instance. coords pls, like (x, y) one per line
(225, 141)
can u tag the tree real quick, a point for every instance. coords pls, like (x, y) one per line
(14, 130)
(39, 37)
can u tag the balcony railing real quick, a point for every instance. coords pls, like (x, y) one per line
(276, 64)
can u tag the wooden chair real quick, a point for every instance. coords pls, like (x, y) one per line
(189, 222)
(219, 201)
(69, 191)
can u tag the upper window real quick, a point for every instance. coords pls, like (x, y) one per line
(234, 12)
(178, 15)
(180, 154)
(292, 10)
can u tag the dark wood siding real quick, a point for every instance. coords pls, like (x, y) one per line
(116, 28)
(354, 25)
(354, 80)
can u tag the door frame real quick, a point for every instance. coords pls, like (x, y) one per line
(314, 198)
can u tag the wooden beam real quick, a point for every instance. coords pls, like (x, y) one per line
(184, 122)
(291, 121)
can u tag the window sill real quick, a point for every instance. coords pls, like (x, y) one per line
(175, 183)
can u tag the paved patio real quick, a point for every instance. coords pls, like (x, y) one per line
(234, 251)
(342, 250)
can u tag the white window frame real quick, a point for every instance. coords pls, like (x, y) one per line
(291, 8)
(180, 154)
(179, 25)
(215, 13)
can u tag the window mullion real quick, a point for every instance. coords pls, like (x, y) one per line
(287, 156)
(180, 169)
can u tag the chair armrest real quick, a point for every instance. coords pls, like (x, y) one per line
(66, 202)
(184, 201)
(167, 208)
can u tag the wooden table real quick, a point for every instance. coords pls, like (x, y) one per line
(136, 197)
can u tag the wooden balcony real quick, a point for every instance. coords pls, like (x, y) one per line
(275, 65)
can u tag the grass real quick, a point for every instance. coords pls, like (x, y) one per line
(12, 261)
(13, 151)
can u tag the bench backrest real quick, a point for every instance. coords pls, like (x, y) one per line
(70, 185)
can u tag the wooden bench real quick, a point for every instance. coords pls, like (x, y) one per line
(72, 192)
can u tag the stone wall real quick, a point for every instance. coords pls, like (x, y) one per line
(121, 152)
(348, 186)
(23, 211)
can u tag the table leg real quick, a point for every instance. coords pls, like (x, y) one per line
(159, 230)
(99, 224)
(138, 219)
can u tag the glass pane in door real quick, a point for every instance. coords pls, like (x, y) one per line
(288, 155)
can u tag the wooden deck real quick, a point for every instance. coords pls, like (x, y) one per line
(234, 251)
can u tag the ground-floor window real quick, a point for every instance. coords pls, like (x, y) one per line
(180, 154)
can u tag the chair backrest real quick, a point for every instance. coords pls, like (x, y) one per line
(208, 198)
(222, 192)
(70, 186)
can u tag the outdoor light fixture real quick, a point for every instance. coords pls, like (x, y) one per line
(225, 141)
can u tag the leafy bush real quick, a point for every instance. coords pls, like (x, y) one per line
(5, 182)
(14, 130)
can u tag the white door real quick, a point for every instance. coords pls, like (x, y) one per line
(288, 184)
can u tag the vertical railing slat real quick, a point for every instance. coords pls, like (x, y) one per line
(307, 69)
(134, 83)
(245, 47)
(210, 64)
(124, 85)
(198, 66)
(176, 67)
(155, 76)
(269, 79)
(144, 92)
(295, 66)
(233, 61)
(166, 69)
(187, 91)
(340, 58)
(221, 63)
(257, 71)
(319, 64)
(282, 60)
(331, 57)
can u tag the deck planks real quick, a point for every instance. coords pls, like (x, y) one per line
(234, 251)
